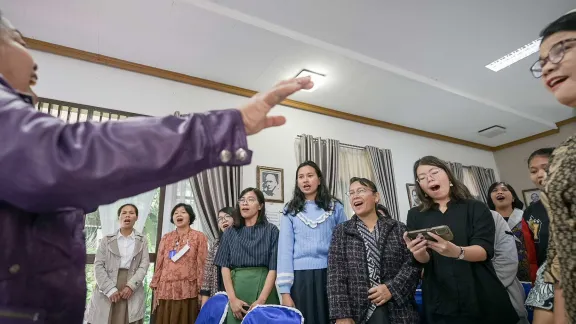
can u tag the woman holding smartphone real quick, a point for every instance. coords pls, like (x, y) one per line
(459, 283)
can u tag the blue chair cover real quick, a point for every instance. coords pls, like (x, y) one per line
(215, 310)
(276, 314)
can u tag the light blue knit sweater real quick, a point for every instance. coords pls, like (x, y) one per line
(304, 241)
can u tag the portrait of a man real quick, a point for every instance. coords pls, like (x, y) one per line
(271, 182)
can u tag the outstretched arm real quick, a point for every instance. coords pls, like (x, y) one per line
(83, 165)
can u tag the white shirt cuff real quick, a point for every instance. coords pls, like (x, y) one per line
(111, 292)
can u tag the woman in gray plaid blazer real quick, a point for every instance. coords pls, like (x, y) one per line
(371, 276)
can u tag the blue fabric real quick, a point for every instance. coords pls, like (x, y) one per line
(304, 245)
(272, 314)
(214, 309)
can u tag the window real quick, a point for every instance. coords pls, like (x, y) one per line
(470, 182)
(354, 162)
(155, 205)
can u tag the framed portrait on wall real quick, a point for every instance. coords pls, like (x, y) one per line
(413, 199)
(271, 182)
(531, 196)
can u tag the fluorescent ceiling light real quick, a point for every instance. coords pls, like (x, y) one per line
(317, 78)
(515, 56)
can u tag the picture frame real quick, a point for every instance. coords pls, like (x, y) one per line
(531, 196)
(271, 182)
(413, 199)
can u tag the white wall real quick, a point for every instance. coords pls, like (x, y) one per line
(91, 84)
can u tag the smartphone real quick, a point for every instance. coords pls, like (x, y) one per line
(442, 231)
(246, 307)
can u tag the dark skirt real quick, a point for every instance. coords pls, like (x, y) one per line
(310, 295)
(380, 315)
(182, 311)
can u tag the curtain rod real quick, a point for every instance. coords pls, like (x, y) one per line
(342, 144)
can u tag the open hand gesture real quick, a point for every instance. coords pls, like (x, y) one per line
(255, 112)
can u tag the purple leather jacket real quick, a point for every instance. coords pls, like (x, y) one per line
(52, 173)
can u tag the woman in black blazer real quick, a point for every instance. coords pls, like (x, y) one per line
(459, 283)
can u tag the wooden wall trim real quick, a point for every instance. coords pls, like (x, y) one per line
(208, 84)
(222, 87)
(535, 136)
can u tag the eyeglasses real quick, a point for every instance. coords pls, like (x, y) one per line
(249, 201)
(433, 173)
(555, 56)
(223, 219)
(359, 192)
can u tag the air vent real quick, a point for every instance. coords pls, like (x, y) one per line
(492, 131)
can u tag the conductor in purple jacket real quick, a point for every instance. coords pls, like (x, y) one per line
(52, 173)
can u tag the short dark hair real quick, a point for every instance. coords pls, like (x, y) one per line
(122, 207)
(564, 23)
(458, 191)
(188, 209)
(237, 216)
(517, 203)
(227, 210)
(545, 152)
(370, 184)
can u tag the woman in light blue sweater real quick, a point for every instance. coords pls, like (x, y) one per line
(305, 233)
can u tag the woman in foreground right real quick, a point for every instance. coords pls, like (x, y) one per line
(459, 284)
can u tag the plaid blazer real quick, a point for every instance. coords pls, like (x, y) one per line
(348, 281)
(210, 282)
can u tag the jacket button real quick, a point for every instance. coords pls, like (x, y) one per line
(14, 269)
(225, 156)
(241, 154)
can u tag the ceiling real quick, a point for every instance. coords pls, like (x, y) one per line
(418, 64)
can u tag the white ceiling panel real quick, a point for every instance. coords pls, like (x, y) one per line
(419, 64)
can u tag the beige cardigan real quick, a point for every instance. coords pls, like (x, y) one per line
(106, 266)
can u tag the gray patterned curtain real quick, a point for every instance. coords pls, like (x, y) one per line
(325, 153)
(384, 173)
(457, 169)
(484, 178)
(213, 190)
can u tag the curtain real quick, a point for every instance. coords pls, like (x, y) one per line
(353, 163)
(325, 153)
(213, 190)
(484, 177)
(457, 169)
(381, 161)
(109, 213)
(179, 192)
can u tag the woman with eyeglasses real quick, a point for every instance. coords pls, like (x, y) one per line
(212, 282)
(557, 67)
(459, 284)
(305, 233)
(179, 270)
(247, 257)
(371, 276)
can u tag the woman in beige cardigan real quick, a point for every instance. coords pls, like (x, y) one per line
(120, 266)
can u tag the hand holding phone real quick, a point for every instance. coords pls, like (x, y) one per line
(443, 231)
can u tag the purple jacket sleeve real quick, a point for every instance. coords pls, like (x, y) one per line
(48, 165)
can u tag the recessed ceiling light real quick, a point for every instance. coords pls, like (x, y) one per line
(517, 55)
(317, 78)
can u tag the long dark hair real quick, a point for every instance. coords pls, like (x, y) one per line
(517, 203)
(239, 221)
(458, 191)
(370, 184)
(323, 196)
